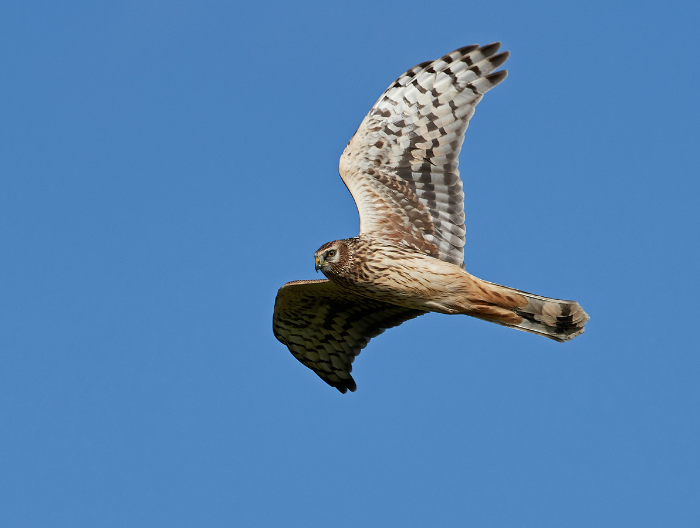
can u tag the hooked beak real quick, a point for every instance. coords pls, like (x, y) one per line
(318, 263)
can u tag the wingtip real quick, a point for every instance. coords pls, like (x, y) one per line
(497, 77)
(345, 385)
(491, 49)
(498, 60)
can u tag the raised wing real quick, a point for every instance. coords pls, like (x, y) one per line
(325, 326)
(401, 164)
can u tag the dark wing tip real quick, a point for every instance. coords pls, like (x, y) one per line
(497, 78)
(490, 49)
(343, 385)
(498, 60)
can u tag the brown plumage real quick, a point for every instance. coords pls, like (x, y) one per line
(401, 168)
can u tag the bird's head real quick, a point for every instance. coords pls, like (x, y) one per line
(331, 257)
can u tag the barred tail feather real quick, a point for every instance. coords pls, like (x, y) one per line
(553, 318)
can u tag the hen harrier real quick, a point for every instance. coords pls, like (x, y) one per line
(401, 169)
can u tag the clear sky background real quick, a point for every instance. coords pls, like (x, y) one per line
(166, 166)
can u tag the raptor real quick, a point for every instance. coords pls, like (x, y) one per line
(401, 169)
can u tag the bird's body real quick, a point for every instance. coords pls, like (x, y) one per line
(405, 277)
(401, 168)
(387, 272)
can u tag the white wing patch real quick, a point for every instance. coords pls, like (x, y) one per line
(401, 164)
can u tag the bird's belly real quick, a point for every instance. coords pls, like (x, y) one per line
(416, 281)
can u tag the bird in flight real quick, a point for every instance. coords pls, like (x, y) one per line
(408, 260)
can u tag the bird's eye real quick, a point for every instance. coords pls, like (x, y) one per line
(331, 253)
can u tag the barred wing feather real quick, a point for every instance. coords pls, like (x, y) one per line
(401, 164)
(325, 326)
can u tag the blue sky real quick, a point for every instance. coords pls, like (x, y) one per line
(166, 166)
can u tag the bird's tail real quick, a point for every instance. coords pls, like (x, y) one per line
(552, 318)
